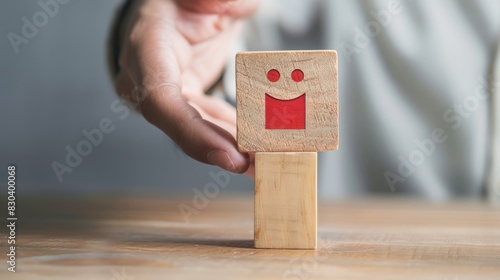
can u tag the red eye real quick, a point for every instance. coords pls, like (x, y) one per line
(273, 75)
(297, 75)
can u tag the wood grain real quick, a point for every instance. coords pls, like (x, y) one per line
(147, 238)
(285, 200)
(319, 84)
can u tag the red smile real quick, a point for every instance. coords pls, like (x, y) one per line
(286, 114)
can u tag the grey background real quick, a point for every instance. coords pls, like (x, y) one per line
(57, 86)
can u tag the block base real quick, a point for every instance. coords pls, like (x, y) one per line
(285, 200)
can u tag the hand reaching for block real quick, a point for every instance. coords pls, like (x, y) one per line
(170, 53)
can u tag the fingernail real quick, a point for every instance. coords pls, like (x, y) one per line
(221, 159)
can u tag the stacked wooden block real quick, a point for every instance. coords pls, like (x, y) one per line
(287, 111)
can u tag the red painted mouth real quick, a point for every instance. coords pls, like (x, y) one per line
(286, 114)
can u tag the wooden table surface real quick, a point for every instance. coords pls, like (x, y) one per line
(135, 239)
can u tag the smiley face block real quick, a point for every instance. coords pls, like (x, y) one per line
(287, 101)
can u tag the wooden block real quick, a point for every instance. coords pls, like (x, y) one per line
(285, 200)
(287, 101)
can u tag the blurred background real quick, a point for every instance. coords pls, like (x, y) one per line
(407, 68)
(56, 86)
(402, 64)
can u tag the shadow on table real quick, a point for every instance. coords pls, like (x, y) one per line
(230, 243)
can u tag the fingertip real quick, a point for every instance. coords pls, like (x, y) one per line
(241, 162)
(232, 162)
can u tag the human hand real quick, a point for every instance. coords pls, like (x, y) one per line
(170, 53)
